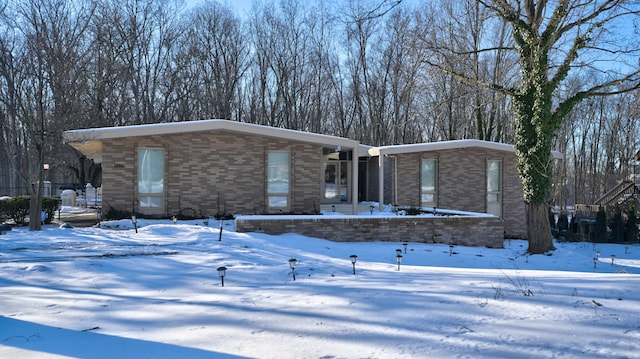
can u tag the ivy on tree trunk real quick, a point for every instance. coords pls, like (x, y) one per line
(537, 31)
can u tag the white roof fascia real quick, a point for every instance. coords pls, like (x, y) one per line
(205, 125)
(447, 145)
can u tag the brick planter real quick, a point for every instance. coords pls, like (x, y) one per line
(460, 230)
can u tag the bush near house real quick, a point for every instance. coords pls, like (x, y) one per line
(561, 230)
(563, 221)
(601, 226)
(631, 227)
(621, 227)
(617, 226)
(50, 205)
(17, 208)
(552, 219)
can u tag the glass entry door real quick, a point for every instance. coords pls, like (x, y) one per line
(336, 183)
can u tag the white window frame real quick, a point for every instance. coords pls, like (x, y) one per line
(278, 196)
(150, 200)
(428, 197)
(494, 193)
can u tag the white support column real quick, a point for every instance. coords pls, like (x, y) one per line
(355, 160)
(380, 181)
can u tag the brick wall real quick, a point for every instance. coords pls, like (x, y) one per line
(212, 172)
(118, 175)
(513, 208)
(468, 231)
(461, 183)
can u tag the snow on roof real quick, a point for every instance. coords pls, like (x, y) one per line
(202, 125)
(447, 145)
(89, 141)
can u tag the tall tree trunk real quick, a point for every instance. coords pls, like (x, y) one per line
(539, 228)
(35, 201)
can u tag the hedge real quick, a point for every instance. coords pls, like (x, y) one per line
(17, 208)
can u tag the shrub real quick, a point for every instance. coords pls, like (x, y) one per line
(17, 208)
(563, 221)
(116, 214)
(601, 226)
(617, 226)
(50, 205)
(632, 224)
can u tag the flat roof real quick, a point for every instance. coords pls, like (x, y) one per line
(448, 145)
(89, 141)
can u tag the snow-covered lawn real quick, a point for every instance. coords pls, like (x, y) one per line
(112, 293)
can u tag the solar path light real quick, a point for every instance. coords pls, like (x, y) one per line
(222, 271)
(354, 258)
(220, 235)
(292, 265)
(134, 221)
(399, 259)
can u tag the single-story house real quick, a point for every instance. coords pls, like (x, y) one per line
(213, 167)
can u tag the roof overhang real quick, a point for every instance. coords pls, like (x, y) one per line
(89, 141)
(448, 145)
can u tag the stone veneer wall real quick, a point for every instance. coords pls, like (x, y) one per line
(460, 230)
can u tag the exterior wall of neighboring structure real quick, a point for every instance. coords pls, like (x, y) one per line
(212, 172)
(485, 231)
(461, 183)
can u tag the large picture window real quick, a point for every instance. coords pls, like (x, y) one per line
(278, 177)
(150, 177)
(428, 182)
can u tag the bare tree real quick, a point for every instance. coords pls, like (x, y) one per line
(10, 138)
(212, 61)
(52, 59)
(141, 35)
(551, 41)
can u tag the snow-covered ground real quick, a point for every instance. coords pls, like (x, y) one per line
(114, 293)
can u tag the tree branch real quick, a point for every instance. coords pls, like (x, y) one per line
(489, 85)
(598, 91)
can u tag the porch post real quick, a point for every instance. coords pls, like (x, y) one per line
(380, 181)
(355, 160)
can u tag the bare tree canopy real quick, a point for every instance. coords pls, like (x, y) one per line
(541, 74)
(554, 40)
